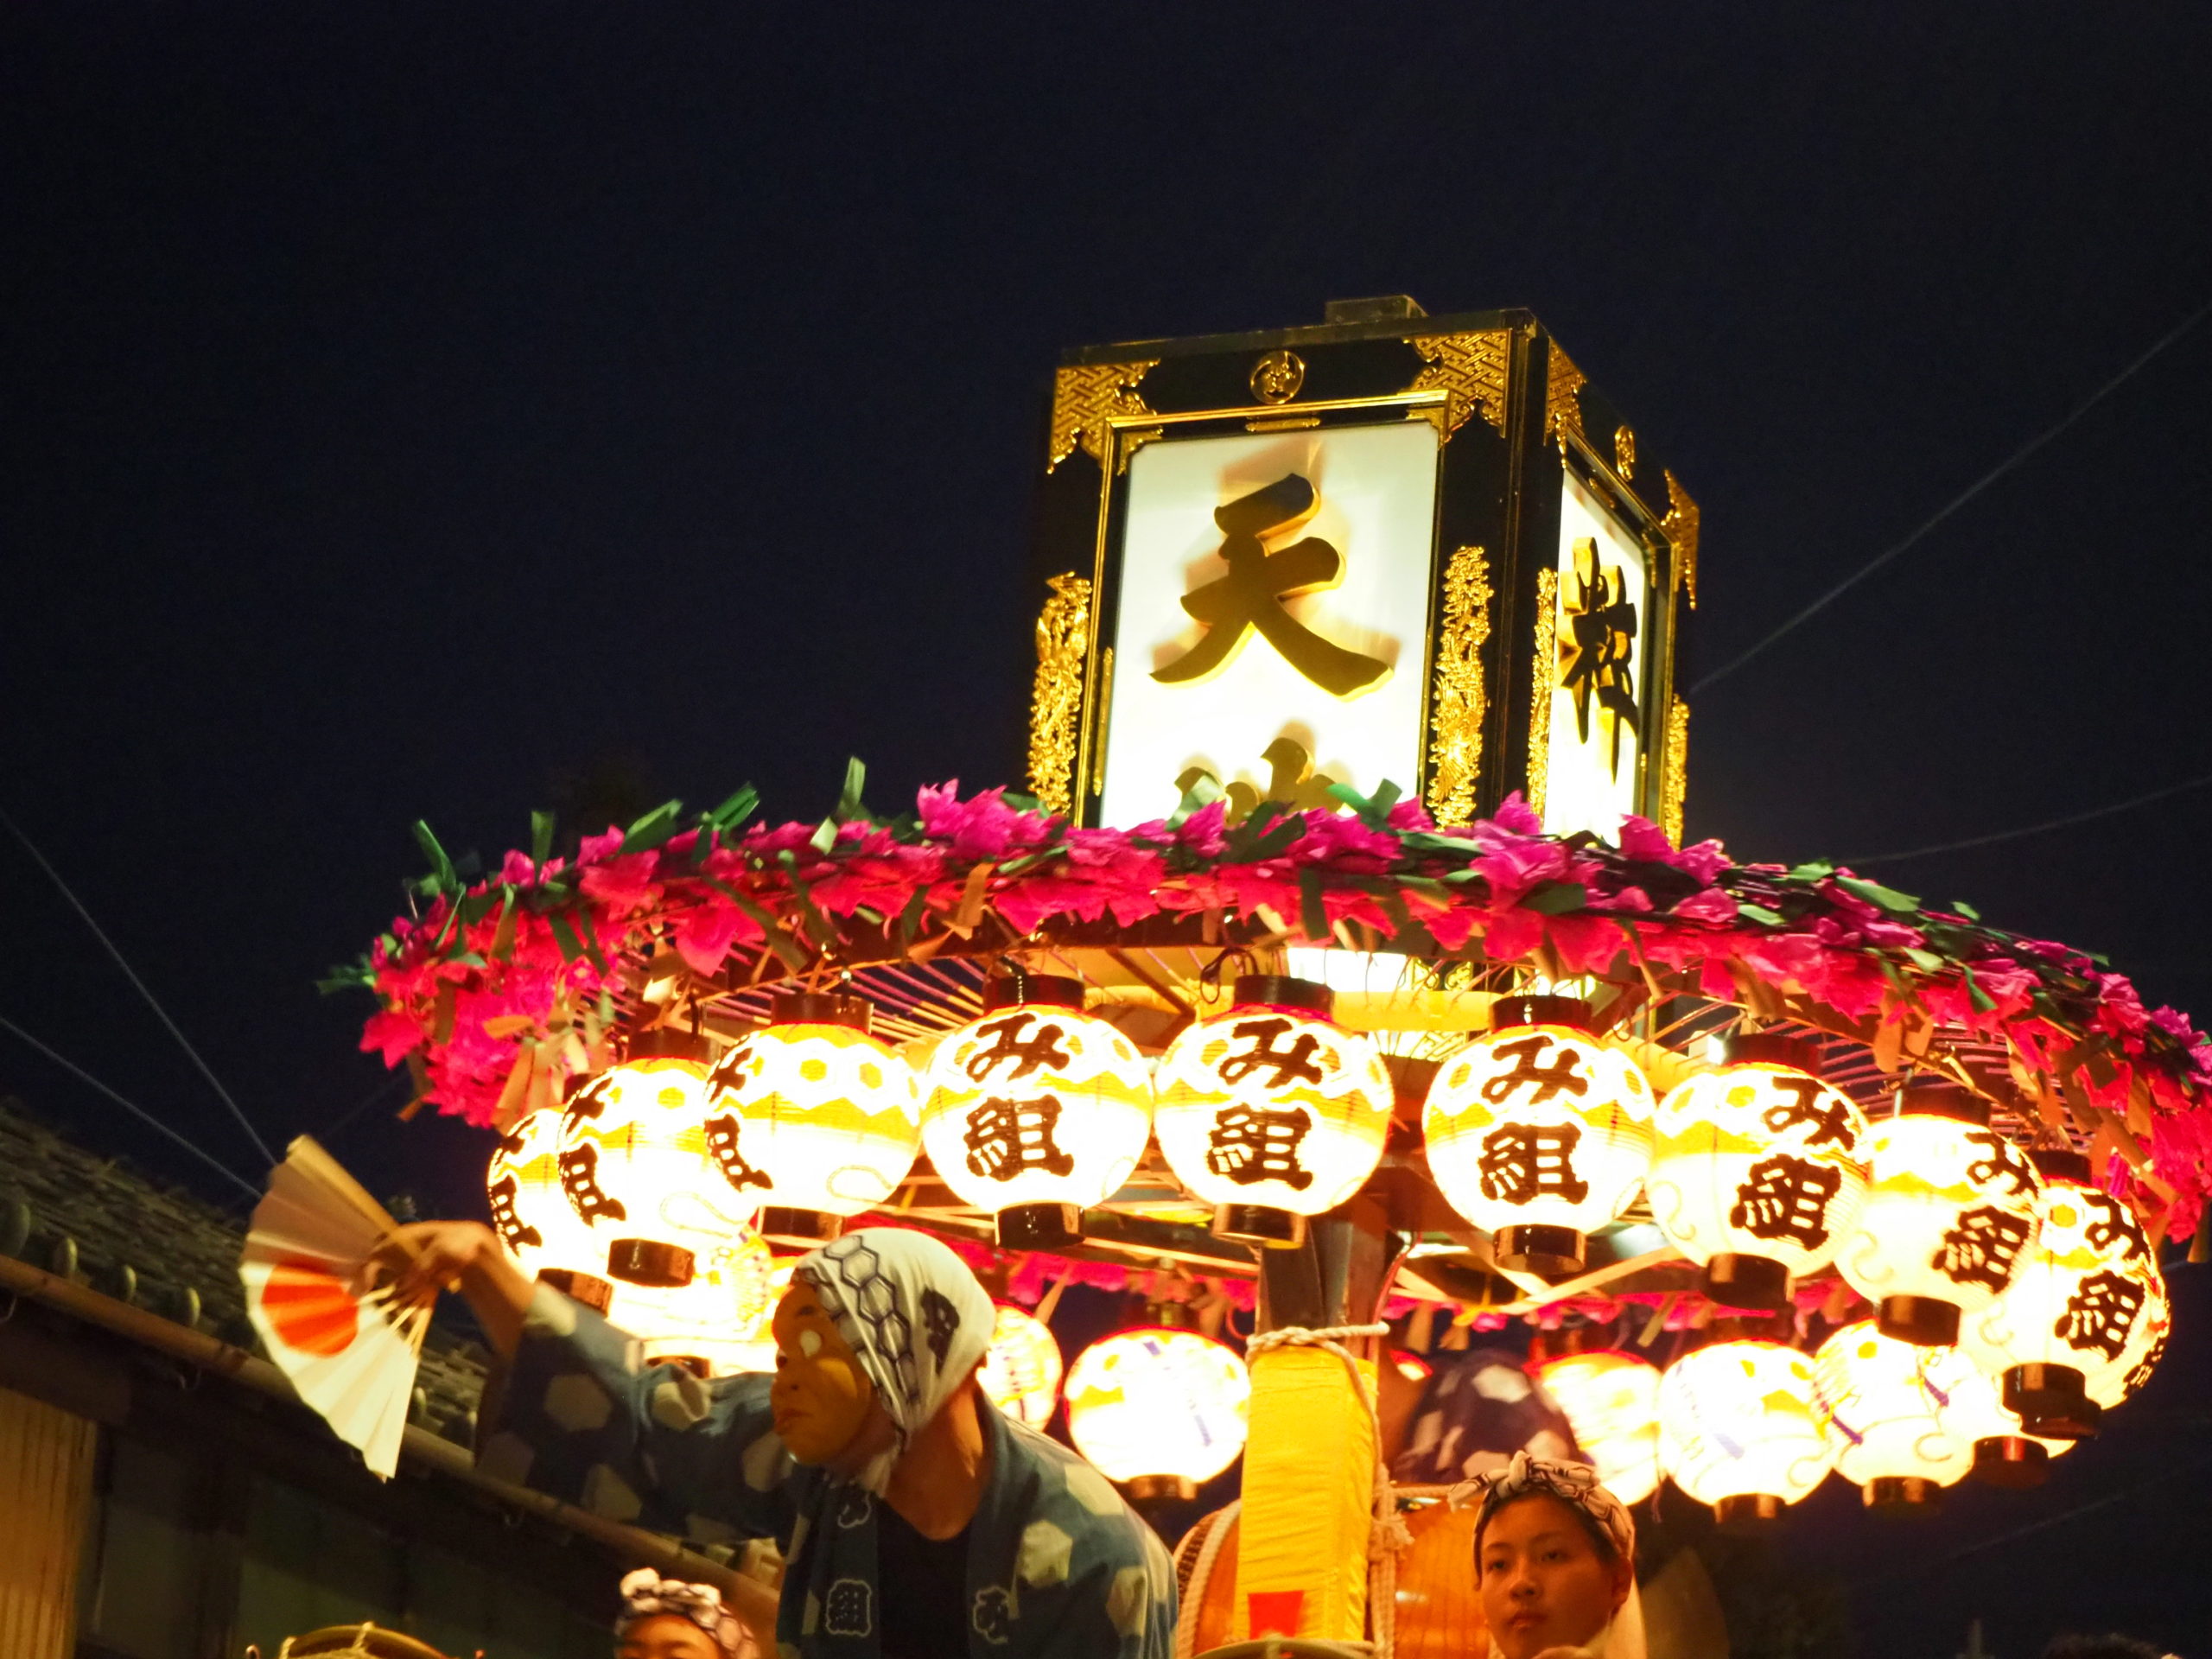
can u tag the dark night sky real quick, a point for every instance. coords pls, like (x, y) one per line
(405, 406)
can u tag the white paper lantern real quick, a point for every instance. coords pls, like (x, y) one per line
(1270, 1113)
(2005, 1454)
(635, 1165)
(2078, 1318)
(1021, 1368)
(1037, 1111)
(1740, 1428)
(1612, 1401)
(1538, 1132)
(813, 1117)
(1159, 1410)
(1755, 1171)
(718, 1324)
(1951, 1203)
(1884, 1402)
(532, 1216)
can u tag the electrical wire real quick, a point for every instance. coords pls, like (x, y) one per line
(162, 1014)
(140, 1113)
(1973, 489)
(2127, 805)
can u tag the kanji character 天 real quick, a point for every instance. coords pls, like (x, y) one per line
(1981, 1249)
(1786, 1198)
(1521, 1163)
(1251, 1144)
(1007, 1137)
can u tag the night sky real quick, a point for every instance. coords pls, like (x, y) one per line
(446, 411)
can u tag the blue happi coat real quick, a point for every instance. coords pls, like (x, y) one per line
(1058, 1564)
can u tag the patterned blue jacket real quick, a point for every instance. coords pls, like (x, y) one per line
(1058, 1564)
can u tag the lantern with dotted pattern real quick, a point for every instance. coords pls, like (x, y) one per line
(1611, 1400)
(532, 1215)
(1159, 1410)
(1037, 1111)
(1538, 1132)
(1884, 1400)
(1271, 1113)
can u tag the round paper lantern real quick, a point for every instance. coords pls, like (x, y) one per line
(1884, 1400)
(812, 1117)
(718, 1324)
(1739, 1428)
(1036, 1111)
(532, 1216)
(1159, 1410)
(1949, 1204)
(1755, 1172)
(1021, 1368)
(1538, 1132)
(2074, 1324)
(2004, 1453)
(1270, 1113)
(635, 1165)
(1611, 1400)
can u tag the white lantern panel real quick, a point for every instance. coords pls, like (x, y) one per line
(1949, 1207)
(1036, 1104)
(1756, 1159)
(1884, 1402)
(1739, 1419)
(1539, 1126)
(1158, 1402)
(529, 1212)
(634, 1159)
(723, 1316)
(1971, 1410)
(1271, 1107)
(1612, 1401)
(1021, 1368)
(814, 1117)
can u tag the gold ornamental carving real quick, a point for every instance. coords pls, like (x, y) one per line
(1563, 384)
(1543, 678)
(1680, 527)
(1084, 397)
(1675, 789)
(1625, 453)
(1056, 700)
(1457, 704)
(1277, 377)
(1470, 369)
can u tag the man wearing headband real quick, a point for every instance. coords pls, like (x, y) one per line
(1555, 1561)
(666, 1619)
(916, 1521)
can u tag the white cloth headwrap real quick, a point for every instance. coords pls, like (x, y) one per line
(646, 1594)
(1575, 1484)
(914, 1315)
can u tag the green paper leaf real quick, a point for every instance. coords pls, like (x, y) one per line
(541, 838)
(824, 836)
(441, 866)
(1759, 913)
(1313, 909)
(848, 799)
(564, 936)
(1813, 870)
(736, 809)
(1889, 899)
(1927, 961)
(1555, 898)
(1982, 1000)
(781, 943)
(655, 827)
(1960, 907)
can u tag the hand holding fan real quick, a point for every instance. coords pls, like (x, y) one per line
(347, 1346)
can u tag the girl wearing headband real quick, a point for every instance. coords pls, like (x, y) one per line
(1555, 1561)
(666, 1619)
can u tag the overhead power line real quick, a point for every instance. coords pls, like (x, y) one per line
(2072, 818)
(140, 1113)
(162, 1014)
(1973, 489)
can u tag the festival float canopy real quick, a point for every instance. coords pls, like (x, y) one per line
(1399, 805)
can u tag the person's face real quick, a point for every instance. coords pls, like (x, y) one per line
(822, 1400)
(665, 1636)
(1544, 1585)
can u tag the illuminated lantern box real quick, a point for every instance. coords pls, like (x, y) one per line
(1388, 546)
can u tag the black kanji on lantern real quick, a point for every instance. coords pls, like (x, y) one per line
(1008, 1047)
(1007, 1137)
(1522, 1162)
(2005, 1163)
(2115, 1226)
(1981, 1249)
(2101, 1313)
(1542, 1081)
(1811, 1101)
(1253, 1143)
(722, 1145)
(580, 1180)
(941, 1320)
(2141, 1374)
(512, 1229)
(1786, 1198)
(1295, 1062)
(729, 1074)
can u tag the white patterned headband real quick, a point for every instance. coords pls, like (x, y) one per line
(1575, 1484)
(646, 1594)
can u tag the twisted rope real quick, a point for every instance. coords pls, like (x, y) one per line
(1386, 1531)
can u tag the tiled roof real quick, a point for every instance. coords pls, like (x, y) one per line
(101, 1223)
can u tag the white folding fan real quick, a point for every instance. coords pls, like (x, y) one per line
(347, 1349)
